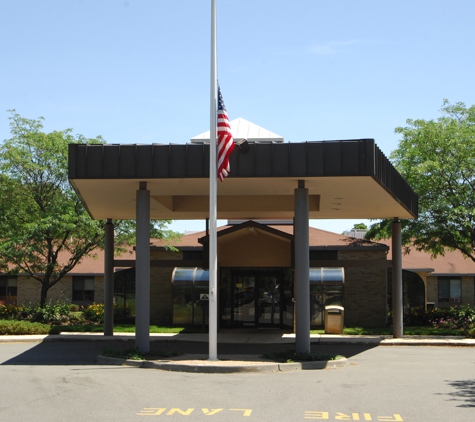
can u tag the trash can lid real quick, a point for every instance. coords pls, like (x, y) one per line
(341, 308)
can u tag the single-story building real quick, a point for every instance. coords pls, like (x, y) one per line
(269, 179)
(256, 279)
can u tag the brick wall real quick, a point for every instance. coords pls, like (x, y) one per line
(365, 290)
(161, 306)
(98, 289)
(468, 293)
(29, 290)
(468, 290)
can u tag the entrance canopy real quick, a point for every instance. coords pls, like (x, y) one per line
(345, 179)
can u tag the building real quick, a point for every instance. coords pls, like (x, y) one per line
(254, 254)
(270, 180)
(449, 280)
(256, 278)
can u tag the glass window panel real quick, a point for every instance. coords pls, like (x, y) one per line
(182, 287)
(226, 297)
(78, 295)
(3, 282)
(444, 291)
(78, 283)
(89, 284)
(88, 295)
(456, 291)
(11, 291)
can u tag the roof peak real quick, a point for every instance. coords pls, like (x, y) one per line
(244, 129)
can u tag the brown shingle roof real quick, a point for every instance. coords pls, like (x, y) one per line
(453, 262)
(317, 238)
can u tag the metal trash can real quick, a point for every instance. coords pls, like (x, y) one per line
(334, 316)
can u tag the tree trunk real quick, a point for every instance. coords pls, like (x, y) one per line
(44, 292)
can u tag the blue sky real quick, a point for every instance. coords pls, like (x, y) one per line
(137, 71)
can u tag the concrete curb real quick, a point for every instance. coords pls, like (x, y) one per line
(215, 368)
(315, 339)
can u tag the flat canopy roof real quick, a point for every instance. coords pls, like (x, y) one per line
(345, 179)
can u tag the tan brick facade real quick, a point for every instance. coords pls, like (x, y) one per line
(468, 290)
(161, 306)
(365, 290)
(29, 290)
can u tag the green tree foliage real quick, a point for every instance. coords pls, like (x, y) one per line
(44, 229)
(437, 158)
(360, 226)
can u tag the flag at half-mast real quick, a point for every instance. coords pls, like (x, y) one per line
(225, 139)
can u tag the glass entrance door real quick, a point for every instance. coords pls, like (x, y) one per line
(244, 299)
(255, 297)
(269, 305)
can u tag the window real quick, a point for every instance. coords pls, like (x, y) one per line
(83, 289)
(8, 290)
(450, 291)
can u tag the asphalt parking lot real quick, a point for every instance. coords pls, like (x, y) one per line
(60, 381)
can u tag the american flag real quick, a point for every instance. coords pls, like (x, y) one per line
(225, 139)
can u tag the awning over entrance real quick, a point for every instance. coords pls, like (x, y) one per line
(269, 180)
(346, 179)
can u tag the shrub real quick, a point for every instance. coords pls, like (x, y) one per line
(470, 333)
(121, 313)
(9, 311)
(22, 328)
(73, 307)
(94, 313)
(457, 317)
(52, 313)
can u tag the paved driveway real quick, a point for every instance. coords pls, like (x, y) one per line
(62, 382)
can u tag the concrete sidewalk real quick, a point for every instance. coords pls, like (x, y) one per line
(254, 337)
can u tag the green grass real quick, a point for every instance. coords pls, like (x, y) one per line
(8, 327)
(119, 328)
(387, 331)
(293, 356)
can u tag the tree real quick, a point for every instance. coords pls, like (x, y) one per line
(437, 158)
(45, 230)
(360, 226)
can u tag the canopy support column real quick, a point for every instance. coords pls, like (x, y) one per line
(396, 246)
(142, 270)
(302, 265)
(109, 279)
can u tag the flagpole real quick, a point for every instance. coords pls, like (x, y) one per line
(213, 285)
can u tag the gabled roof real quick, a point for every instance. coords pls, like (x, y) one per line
(243, 129)
(318, 239)
(253, 225)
